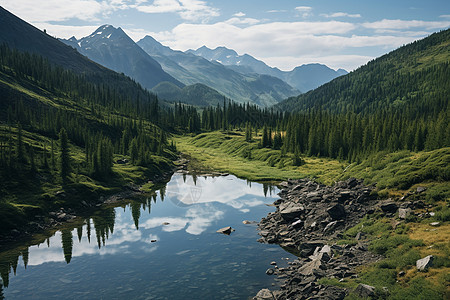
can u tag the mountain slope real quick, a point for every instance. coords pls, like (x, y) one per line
(190, 69)
(112, 48)
(415, 76)
(195, 94)
(304, 78)
(18, 34)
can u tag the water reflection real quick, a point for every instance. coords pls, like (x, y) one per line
(197, 205)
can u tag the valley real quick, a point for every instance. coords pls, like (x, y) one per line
(118, 156)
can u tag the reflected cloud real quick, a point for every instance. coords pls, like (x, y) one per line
(200, 218)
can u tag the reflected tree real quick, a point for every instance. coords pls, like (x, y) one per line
(135, 212)
(104, 224)
(67, 244)
(80, 232)
(162, 193)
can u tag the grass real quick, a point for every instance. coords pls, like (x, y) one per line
(403, 245)
(397, 173)
(229, 152)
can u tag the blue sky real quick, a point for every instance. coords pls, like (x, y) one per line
(282, 33)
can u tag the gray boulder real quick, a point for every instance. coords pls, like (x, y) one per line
(336, 212)
(403, 213)
(389, 207)
(290, 210)
(424, 263)
(365, 290)
(264, 294)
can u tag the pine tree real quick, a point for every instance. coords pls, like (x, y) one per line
(65, 164)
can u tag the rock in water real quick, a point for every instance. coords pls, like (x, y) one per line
(364, 290)
(290, 210)
(264, 294)
(226, 230)
(424, 263)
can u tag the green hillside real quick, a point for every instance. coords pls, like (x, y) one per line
(195, 94)
(62, 138)
(415, 77)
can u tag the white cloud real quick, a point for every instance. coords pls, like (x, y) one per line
(247, 21)
(291, 43)
(304, 10)
(62, 10)
(66, 31)
(277, 11)
(341, 14)
(405, 24)
(444, 16)
(239, 14)
(191, 10)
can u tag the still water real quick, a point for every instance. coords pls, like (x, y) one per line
(161, 247)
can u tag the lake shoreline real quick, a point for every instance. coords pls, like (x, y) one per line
(55, 219)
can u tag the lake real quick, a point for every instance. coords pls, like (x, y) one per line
(161, 247)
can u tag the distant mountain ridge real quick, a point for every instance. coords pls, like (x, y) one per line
(114, 49)
(260, 89)
(304, 78)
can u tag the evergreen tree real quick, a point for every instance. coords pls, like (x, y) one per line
(65, 164)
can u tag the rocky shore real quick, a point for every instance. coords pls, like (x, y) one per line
(309, 218)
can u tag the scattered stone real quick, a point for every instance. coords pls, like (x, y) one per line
(389, 207)
(424, 263)
(401, 274)
(290, 210)
(435, 223)
(420, 189)
(337, 212)
(166, 223)
(246, 222)
(365, 290)
(359, 236)
(226, 230)
(298, 224)
(273, 263)
(308, 216)
(403, 213)
(264, 294)
(270, 271)
(153, 241)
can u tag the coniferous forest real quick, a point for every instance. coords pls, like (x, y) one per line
(60, 124)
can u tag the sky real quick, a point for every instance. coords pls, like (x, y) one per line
(282, 33)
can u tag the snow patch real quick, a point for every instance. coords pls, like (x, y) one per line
(218, 61)
(109, 35)
(79, 44)
(100, 32)
(239, 62)
(228, 56)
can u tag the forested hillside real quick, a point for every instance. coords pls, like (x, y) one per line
(59, 131)
(413, 78)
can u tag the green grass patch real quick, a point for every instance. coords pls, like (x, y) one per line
(229, 152)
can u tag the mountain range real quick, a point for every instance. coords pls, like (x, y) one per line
(303, 78)
(114, 49)
(150, 63)
(173, 75)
